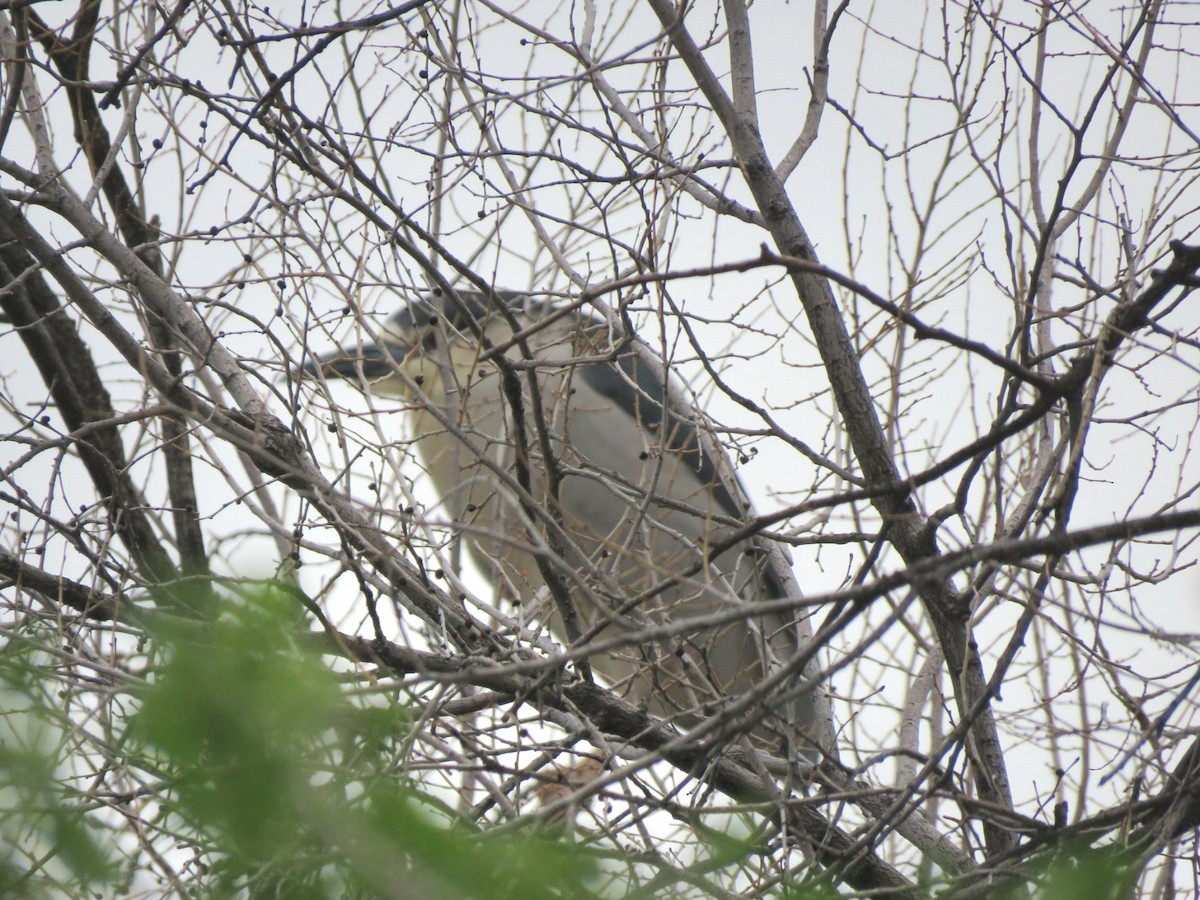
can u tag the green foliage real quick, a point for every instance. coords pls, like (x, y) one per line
(45, 836)
(291, 784)
(277, 781)
(237, 713)
(1079, 872)
(270, 780)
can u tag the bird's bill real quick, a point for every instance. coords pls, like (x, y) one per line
(371, 362)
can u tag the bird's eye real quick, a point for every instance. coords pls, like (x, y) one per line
(430, 341)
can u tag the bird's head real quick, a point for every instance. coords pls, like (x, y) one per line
(432, 339)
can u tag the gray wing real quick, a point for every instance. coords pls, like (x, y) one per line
(637, 389)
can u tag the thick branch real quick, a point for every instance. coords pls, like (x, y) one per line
(70, 374)
(272, 447)
(71, 59)
(615, 716)
(906, 529)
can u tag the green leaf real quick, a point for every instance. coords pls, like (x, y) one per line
(264, 750)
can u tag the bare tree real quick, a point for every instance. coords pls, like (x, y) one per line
(924, 274)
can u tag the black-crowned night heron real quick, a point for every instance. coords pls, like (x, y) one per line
(629, 499)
